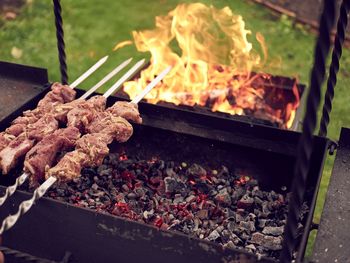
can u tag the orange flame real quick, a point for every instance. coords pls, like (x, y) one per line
(214, 60)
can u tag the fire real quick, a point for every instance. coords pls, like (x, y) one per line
(212, 62)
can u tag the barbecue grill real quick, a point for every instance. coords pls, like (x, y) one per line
(53, 229)
(174, 134)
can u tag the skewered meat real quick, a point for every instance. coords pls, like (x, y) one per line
(91, 148)
(44, 126)
(22, 144)
(60, 111)
(16, 129)
(25, 119)
(84, 113)
(68, 167)
(127, 110)
(90, 151)
(42, 155)
(99, 102)
(117, 128)
(10, 154)
(95, 148)
(59, 93)
(5, 139)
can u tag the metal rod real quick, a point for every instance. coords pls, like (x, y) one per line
(12, 189)
(305, 144)
(11, 220)
(26, 205)
(60, 41)
(151, 85)
(88, 72)
(105, 79)
(334, 67)
(124, 78)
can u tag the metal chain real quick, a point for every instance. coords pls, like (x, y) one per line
(304, 148)
(60, 41)
(334, 67)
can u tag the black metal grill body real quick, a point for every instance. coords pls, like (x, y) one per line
(51, 228)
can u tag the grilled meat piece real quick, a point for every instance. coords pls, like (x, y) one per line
(68, 167)
(44, 126)
(92, 148)
(5, 139)
(117, 127)
(86, 112)
(12, 152)
(43, 154)
(24, 142)
(95, 147)
(69, 136)
(59, 93)
(99, 102)
(25, 119)
(127, 110)
(60, 111)
(16, 129)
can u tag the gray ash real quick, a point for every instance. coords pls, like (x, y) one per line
(216, 205)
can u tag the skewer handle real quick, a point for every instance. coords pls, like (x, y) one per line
(11, 189)
(24, 207)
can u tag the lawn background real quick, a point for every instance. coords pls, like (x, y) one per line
(93, 27)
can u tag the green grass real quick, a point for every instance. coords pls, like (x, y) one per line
(92, 28)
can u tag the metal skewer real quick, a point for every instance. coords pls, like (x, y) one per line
(88, 72)
(21, 179)
(126, 77)
(24, 207)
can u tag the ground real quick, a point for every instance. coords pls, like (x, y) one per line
(92, 28)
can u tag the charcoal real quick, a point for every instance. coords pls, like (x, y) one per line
(245, 202)
(248, 226)
(202, 214)
(213, 235)
(190, 198)
(262, 223)
(195, 170)
(131, 195)
(170, 184)
(239, 218)
(267, 242)
(274, 231)
(214, 204)
(251, 248)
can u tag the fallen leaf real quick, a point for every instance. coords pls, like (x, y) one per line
(16, 52)
(10, 15)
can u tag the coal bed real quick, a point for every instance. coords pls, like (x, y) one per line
(216, 205)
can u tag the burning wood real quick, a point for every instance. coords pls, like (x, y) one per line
(214, 67)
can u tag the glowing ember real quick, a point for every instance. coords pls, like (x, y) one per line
(214, 65)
